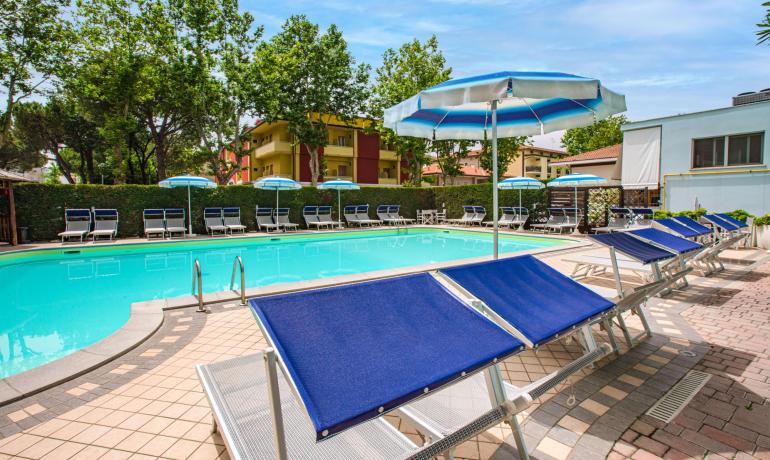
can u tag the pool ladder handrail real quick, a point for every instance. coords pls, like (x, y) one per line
(197, 275)
(238, 262)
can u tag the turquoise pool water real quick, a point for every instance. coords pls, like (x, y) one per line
(58, 301)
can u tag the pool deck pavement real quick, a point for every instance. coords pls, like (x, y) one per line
(148, 403)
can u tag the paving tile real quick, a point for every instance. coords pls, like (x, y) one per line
(554, 448)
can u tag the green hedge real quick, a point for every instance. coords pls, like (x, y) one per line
(454, 197)
(41, 207)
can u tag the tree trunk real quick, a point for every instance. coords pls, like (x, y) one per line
(120, 177)
(314, 166)
(90, 172)
(65, 168)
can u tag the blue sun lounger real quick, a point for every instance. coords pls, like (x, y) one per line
(349, 354)
(682, 229)
(533, 302)
(688, 251)
(732, 220)
(659, 266)
(693, 224)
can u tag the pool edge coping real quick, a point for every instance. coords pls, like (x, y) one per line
(146, 317)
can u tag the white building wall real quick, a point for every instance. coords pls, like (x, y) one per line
(717, 189)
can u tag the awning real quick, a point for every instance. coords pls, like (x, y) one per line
(641, 158)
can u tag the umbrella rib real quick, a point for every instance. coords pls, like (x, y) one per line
(539, 121)
(440, 121)
(593, 112)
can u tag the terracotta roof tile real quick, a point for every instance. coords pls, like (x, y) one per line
(607, 153)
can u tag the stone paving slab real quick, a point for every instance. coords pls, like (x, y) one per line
(148, 403)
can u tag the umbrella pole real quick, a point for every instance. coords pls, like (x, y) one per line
(494, 178)
(339, 208)
(577, 224)
(521, 225)
(189, 213)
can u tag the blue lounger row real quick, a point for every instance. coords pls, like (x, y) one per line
(355, 352)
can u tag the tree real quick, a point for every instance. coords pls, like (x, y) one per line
(763, 34)
(35, 42)
(507, 151)
(405, 72)
(317, 80)
(226, 82)
(449, 156)
(41, 132)
(602, 133)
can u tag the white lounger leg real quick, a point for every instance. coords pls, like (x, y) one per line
(498, 396)
(275, 404)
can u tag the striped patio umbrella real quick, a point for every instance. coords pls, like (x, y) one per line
(339, 185)
(520, 183)
(188, 181)
(503, 104)
(277, 183)
(577, 180)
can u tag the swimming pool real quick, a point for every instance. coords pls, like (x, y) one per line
(57, 301)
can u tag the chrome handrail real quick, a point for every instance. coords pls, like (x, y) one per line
(239, 261)
(198, 276)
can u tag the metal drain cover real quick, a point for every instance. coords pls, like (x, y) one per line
(672, 403)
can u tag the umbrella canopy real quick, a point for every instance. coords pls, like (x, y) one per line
(188, 181)
(339, 185)
(577, 180)
(529, 103)
(520, 183)
(277, 183)
(503, 104)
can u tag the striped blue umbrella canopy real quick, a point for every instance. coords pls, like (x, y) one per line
(520, 183)
(577, 180)
(277, 183)
(339, 185)
(188, 181)
(503, 104)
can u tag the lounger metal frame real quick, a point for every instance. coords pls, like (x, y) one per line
(83, 219)
(105, 223)
(175, 221)
(231, 218)
(212, 218)
(150, 216)
(264, 218)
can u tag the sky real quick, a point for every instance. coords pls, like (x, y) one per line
(666, 56)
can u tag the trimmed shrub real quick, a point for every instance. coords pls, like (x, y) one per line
(762, 220)
(453, 198)
(739, 214)
(41, 207)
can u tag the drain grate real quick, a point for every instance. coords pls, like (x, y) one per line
(672, 403)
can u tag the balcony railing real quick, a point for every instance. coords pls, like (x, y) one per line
(272, 148)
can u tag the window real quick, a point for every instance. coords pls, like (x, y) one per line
(342, 170)
(745, 149)
(709, 152)
(741, 149)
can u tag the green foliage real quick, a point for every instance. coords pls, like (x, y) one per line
(662, 214)
(602, 133)
(41, 207)
(35, 42)
(507, 151)
(763, 34)
(739, 214)
(52, 176)
(403, 73)
(317, 77)
(694, 215)
(762, 221)
(449, 156)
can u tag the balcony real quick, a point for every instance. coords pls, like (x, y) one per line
(338, 151)
(272, 148)
(389, 155)
(387, 181)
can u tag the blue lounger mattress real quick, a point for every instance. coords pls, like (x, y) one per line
(633, 247)
(534, 298)
(672, 242)
(356, 351)
(682, 229)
